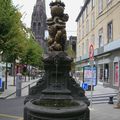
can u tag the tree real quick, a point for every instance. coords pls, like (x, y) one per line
(9, 22)
(11, 32)
(71, 53)
(33, 53)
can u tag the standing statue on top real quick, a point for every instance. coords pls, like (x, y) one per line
(56, 26)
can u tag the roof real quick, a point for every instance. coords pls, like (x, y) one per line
(82, 10)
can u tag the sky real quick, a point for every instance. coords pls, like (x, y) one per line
(72, 9)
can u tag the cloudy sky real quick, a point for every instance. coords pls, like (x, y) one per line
(72, 8)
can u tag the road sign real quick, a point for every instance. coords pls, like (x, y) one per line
(85, 86)
(0, 83)
(91, 52)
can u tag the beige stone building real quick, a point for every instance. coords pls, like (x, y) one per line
(98, 23)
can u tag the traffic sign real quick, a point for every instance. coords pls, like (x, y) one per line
(0, 83)
(85, 86)
(91, 52)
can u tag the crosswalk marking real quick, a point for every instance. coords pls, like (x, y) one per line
(11, 116)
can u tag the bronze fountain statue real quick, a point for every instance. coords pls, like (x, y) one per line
(56, 26)
(56, 96)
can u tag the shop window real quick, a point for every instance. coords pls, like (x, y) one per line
(106, 73)
(101, 75)
(116, 74)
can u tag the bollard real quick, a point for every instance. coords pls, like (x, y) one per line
(111, 100)
(18, 84)
(117, 106)
(28, 89)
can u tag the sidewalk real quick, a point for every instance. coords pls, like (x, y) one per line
(104, 112)
(11, 89)
(100, 89)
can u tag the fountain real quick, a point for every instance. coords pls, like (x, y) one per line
(56, 96)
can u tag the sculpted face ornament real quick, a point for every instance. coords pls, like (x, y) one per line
(56, 26)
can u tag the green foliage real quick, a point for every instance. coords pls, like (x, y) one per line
(11, 31)
(9, 22)
(33, 54)
(70, 52)
(14, 40)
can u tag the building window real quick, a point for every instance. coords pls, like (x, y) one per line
(110, 31)
(93, 40)
(93, 20)
(92, 3)
(100, 6)
(34, 26)
(79, 23)
(116, 74)
(82, 48)
(83, 31)
(83, 17)
(100, 38)
(39, 26)
(86, 11)
(87, 26)
(109, 1)
(79, 34)
(87, 46)
(79, 53)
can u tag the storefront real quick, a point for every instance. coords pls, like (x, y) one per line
(103, 67)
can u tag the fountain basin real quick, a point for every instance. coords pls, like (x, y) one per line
(78, 111)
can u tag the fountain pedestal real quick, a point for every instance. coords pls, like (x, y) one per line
(56, 96)
(62, 98)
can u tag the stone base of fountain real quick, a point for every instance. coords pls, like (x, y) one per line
(56, 96)
(78, 111)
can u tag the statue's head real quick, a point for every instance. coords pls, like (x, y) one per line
(56, 26)
(57, 8)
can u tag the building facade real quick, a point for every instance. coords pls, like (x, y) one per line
(98, 24)
(38, 23)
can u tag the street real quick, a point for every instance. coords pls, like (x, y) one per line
(12, 109)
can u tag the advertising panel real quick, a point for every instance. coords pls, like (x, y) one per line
(90, 75)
